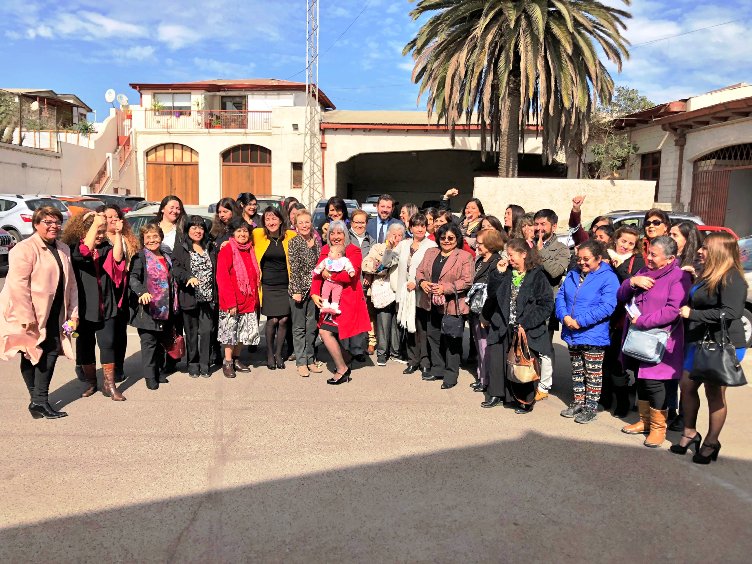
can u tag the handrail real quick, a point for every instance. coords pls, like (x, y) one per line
(208, 119)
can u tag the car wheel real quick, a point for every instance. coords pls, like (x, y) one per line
(747, 323)
(16, 235)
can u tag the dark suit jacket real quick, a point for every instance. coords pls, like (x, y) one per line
(373, 227)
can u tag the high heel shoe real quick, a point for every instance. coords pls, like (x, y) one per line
(696, 440)
(341, 380)
(698, 458)
(45, 410)
(271, 364)
(280, 362)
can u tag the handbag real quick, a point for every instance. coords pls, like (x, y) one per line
(645, 345)
(175, 346)
(476, 297)
(716, 363)
(453, 325)
(382, 294)
(523, 364)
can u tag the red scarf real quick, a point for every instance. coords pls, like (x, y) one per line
(241, 274)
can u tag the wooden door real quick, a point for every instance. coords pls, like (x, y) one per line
(172, 169)
(246, 178)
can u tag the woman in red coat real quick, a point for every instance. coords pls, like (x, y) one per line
(354, 317)
(238, 284)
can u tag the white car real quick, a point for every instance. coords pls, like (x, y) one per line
(6, 244)
(369, 206)
(17, 210)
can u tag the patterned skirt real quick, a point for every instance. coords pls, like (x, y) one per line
(240, 329)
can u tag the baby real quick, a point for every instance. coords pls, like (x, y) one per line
(331, 292)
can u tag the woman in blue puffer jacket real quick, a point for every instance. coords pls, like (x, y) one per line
(584, 305)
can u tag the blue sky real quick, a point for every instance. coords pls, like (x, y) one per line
(86, 46)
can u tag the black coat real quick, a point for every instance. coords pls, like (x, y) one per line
(535, 304)
(623, 271)
(140, 316)
(483, 269)
(705, 311)
(181, 270)
(89, 289)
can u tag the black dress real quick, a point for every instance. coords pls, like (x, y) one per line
(275, 280)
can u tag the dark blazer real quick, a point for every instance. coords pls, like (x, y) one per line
(181, 270)
(705, 311)
(535, 304)
(483, 269)
(140, 317)
(373, 227)
(456, 276)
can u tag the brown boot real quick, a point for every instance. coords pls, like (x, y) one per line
(643, 425)
(109, 388)
(657, 428)
(90, 377)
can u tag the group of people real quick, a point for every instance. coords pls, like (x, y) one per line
(400, 285)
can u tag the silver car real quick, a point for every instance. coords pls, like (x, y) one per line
(745, 246)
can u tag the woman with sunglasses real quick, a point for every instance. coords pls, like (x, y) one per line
(655, 224)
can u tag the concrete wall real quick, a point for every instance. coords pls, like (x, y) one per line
(602, 196)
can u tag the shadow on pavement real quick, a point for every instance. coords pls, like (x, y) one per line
(535, 499)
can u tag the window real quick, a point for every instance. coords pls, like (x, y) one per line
(173, 102)
(650, 168)
(247, 154)
(297, 176)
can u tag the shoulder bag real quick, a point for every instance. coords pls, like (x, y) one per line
(523, 364)
(645, 345)
(453, 325)
(716, 363)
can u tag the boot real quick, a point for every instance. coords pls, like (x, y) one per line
(622, 401)
(89, 372)
(657, 428)
(643, 425)
(109, 388)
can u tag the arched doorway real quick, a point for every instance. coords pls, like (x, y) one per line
(722, 187)
(172, 168)
(246, 168)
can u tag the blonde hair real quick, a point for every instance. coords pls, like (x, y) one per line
(721, 257)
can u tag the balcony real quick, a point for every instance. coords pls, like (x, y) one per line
(196, 120)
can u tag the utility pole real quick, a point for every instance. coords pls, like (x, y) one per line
(312, 182)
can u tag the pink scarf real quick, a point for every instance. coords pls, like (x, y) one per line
(241, 274)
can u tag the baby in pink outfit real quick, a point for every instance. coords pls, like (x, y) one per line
(331, 292)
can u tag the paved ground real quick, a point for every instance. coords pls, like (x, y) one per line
(272, 467)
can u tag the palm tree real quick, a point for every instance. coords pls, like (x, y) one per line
(510, 64)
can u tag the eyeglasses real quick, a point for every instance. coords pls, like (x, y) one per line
(50, 222)
(448, 238)
(653, 223)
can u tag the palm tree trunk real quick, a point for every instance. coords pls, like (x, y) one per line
(509, 138)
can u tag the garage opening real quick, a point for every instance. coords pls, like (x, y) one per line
(246, 168)
(172, 168)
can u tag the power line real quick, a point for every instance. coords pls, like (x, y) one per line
(340, 36)
(688, 32)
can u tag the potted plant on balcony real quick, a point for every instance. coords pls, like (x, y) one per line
(156, 109)
(216, 121)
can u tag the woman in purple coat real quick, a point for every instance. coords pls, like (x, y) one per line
(658, 291)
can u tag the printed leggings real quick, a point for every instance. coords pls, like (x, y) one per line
(587, 374)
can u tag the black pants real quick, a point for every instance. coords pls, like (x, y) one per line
(417, 345)
(92, 333)
(121, 336)
(38, 377)
(660, 393)
(198, 336)
(152, 352)
(445, 351)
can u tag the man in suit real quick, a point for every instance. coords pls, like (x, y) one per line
(378, 226)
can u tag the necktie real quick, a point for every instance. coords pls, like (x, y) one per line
(381, 233)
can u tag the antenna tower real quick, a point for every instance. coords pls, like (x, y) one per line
(312, 182)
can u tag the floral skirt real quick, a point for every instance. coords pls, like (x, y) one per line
(240, 329)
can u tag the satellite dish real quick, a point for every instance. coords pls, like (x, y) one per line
(122, 99)
(109, 96)
(34, 106)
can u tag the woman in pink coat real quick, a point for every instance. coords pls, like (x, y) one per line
(39, 295)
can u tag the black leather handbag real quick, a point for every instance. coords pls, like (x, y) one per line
(716, 363)
(453, 325)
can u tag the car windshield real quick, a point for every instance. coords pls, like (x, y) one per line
(88, 204)
(33, 205)
(745, 248)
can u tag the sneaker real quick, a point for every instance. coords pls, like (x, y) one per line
(586, 416)
(399, 359)
(572, 410)
(540, 395)
(381, 360)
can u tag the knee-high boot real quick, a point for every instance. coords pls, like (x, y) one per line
(90, 377)
(109, 388)
(657, 428)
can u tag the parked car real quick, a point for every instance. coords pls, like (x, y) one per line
(125, 203)
(6, 244)
(17, 210)
(369, 206)
(78, 205)
(705, 229)
(319, 213)
(148, 214)
(745, 246)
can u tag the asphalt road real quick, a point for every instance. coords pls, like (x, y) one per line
(271, 467)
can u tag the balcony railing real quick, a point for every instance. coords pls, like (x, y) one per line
(191, 120)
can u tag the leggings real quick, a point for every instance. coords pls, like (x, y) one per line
(92, 333)
(660, 393)
(587, 374)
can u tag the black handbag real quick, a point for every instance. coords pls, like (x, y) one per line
(716, 363)
(453, 325)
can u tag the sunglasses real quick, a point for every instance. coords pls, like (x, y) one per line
(448, 238)
(654, 223)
